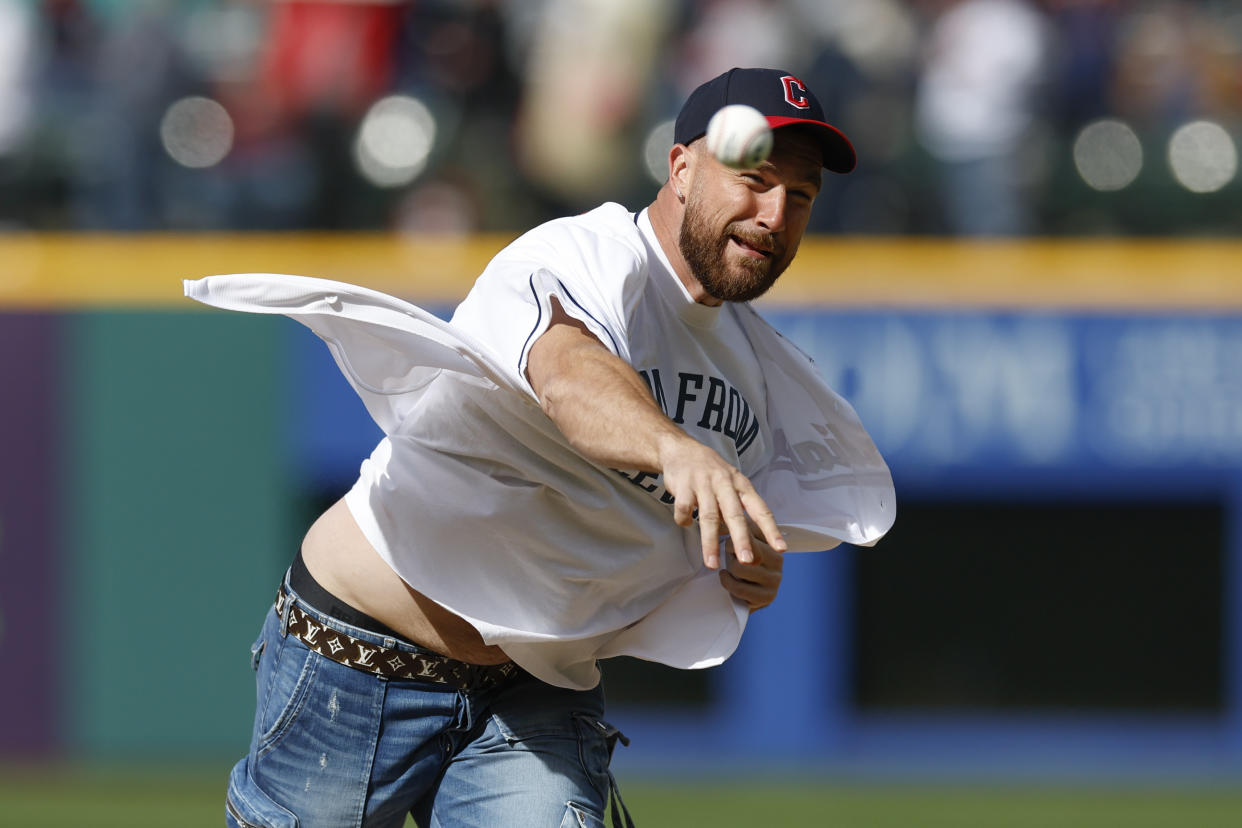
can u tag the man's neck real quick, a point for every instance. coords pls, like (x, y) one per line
(666, 214)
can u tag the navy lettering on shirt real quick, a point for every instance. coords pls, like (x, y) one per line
(683, 393)
(747, 430)
(656, 488)
(733, 414)
(714, 405)
(721, 409)
(657, 388)
(639, 479)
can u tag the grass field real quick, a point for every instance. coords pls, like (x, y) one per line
(147, 798)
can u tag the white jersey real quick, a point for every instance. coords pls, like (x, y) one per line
(607, 269)
(476, 499)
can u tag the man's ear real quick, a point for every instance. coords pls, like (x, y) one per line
(680, 162)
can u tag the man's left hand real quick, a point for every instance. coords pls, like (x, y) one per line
(755, 583)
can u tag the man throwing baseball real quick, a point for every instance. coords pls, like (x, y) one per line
(605, 452)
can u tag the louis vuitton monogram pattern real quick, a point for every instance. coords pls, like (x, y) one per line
(389, 662)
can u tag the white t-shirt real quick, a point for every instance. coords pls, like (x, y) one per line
(607, 269)
(476, 499)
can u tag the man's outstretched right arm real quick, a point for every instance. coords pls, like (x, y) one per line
(603, 407)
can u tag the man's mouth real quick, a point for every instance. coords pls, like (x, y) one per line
(752, 248)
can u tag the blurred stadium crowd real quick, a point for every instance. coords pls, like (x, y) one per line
(971, 117)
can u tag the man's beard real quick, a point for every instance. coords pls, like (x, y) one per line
(739, 280)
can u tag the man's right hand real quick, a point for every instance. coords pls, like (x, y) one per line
(699, 478)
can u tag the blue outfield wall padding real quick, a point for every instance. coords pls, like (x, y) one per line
(787, 690)
(330, 432)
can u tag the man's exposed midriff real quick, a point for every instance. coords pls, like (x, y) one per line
(344, 563)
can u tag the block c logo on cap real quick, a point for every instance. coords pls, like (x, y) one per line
(795, 92)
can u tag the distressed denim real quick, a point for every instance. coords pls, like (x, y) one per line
(333, 746)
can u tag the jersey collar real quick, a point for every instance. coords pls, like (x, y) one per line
(670, 287)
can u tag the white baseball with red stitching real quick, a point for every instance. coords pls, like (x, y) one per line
(739, 136)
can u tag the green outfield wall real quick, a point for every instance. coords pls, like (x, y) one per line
(178, 522)
(169, 522)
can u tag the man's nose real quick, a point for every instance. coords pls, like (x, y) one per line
(771, 209)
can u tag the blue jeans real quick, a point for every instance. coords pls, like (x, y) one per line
(334, 746)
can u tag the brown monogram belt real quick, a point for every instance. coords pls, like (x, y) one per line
(390, 662)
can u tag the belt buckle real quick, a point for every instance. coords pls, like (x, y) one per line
(284, 609)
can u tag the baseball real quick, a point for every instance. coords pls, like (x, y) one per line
(739, 136)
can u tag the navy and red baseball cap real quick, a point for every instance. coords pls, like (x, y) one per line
(779, 96)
